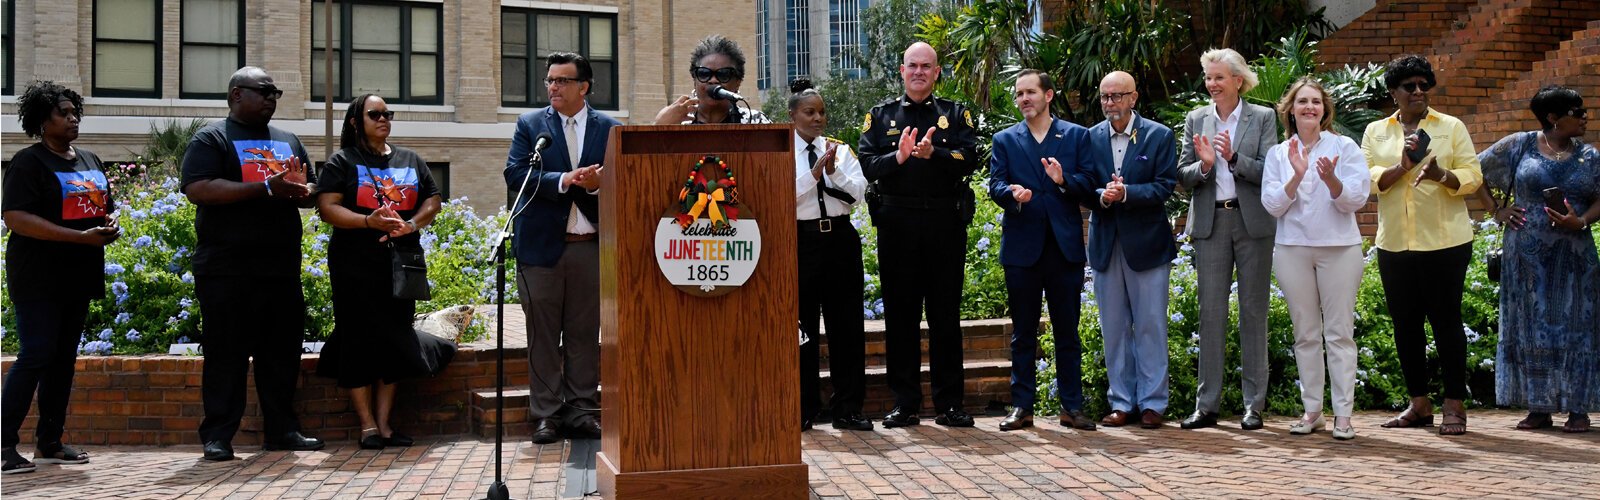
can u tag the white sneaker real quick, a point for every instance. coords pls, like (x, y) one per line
(1303, 427)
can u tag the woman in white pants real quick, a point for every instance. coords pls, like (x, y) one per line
(1314, 183)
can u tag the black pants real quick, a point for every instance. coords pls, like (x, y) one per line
(243, 317)
(831, 282)
(48, 331)
(921, 257)
(1427, 286)
(1061, 282)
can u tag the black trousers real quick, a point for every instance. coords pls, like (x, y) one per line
(261, 317)
(48, 331)
(1427, 286)
(832, 283)
(1060, 282)
(921, 258)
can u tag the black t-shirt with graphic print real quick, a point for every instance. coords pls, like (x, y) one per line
(69, 193)
(256, 237)
(366, 180)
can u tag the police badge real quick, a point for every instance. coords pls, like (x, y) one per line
(944, 123)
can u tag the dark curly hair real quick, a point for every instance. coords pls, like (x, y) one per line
(718, 44)
(801, 88)
(38, 103)
(1404, 67)
(1553, 100)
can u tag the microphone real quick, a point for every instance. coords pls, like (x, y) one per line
(718, 92)
(542, 142)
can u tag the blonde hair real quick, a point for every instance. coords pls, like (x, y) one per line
(1235, 64)
(1286, 106)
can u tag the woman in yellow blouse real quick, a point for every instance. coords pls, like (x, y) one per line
(1424, 236)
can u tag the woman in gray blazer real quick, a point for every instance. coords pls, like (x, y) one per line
(1224, 147)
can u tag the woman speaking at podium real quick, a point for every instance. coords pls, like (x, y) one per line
(827, 183)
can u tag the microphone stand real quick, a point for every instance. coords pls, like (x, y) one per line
(498, 490)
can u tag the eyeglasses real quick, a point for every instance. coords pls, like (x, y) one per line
(375, 114)
(1414, 87)
(268, 92)
(724, 75)
(1579, 113)
(562, 81)
(1114, 97)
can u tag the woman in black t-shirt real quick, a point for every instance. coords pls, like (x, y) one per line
(373, 195)
(58, 206)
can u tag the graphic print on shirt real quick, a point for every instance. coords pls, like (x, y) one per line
(83, 194)
(260, 158)
(395, 187)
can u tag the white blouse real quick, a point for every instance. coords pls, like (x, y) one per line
(1312, 217)
(846, 177)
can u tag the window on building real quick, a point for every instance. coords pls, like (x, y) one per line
(386, 48)
(441, 178)
(5, 47)
(844, 36)
(212, 47)
(798, 21)
(527, 36)
(127, 48)
(763, 47)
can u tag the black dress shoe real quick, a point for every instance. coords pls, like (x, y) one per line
(545, 431)
(293, 441)
(805, 424)
(1251, 421)
(1018, 419)
(587, 429)
(1077, 419)
(371, 442)
(218, 451)
(1199, 420)
(954, 417)
(398, 440)
(900, 417)
(852, 422)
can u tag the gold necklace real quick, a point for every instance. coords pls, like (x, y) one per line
(1559, 155)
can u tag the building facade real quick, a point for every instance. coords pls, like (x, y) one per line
(807, 38)
(457, 72)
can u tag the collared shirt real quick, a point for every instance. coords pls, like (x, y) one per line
(1313, 217)
(1429, 216)
(846, 177)
(1120, 139)
(576, 222)
(1222, 171)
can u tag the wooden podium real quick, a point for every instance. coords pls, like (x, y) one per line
(699, 395)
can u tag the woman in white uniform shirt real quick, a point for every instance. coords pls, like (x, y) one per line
(827, 183)
(1314, 183)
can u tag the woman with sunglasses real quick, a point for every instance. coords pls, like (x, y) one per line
(374, 195)
(716, 61)
(58, 208)
(1549, 353)
(1423, 168)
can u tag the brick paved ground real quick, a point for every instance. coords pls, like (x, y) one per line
(921, 462)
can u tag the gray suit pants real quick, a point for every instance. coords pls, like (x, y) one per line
(562, 306)
(1230, 248)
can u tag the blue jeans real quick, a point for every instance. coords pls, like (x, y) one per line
(49, 331)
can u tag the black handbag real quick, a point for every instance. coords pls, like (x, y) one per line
(409, 269)
(1491, 267)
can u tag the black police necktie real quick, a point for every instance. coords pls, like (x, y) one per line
(811, 157)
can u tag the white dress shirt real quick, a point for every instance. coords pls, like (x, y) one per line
(1312, 217)
(574, 127)
(846, 177)
(1120, 140)
(1221, 170)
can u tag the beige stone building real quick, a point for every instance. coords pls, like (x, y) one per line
(457, 72)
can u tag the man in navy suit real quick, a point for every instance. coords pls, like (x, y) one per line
(1037, 175)
(558, 254)
(1131, 250)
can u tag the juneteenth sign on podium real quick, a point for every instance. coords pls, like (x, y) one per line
(700, 393)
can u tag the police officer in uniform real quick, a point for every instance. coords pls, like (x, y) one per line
(917, 150)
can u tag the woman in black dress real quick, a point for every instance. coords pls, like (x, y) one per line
(58, 207)
(372, 193)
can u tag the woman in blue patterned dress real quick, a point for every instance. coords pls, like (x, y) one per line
(1549, 353)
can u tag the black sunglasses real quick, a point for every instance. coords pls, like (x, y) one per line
(724, 75)
(1414, 87)
(1578, 113)
(374, 115)
(269, 92)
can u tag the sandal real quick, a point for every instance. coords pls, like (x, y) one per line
(14, 463)
(1409, 417)
(1535, 420)
(63, 454)
(1455, 418)
(1577, 422)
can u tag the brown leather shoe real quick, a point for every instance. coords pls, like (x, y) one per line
(1077, 419)
(1151, 420)
(1117, 418)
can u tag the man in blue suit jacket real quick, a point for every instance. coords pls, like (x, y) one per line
(558, 254)
(1037, 175)
(1131, 250)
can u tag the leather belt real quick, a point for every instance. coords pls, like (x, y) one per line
(823, 225)
(1228, 204)
(581, 237)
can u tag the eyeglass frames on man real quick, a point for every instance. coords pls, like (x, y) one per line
(561, 81)
(1114, 97)
(269, 92)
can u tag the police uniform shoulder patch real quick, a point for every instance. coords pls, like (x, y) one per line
(867, 124)
(967, 115)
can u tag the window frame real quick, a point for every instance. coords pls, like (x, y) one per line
(96, 39)
(238, 48)
(7, 40)
(344, 52)
(534, 60)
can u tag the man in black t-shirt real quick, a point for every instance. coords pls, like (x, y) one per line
(247, 179)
